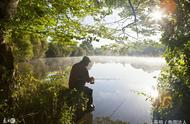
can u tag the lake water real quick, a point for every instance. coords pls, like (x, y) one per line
(118, 82)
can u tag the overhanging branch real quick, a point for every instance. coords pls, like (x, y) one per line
(135, 18)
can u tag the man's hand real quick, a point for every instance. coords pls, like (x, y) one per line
(92, 80)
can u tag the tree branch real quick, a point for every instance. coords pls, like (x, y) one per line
(135, 17)
(123, 28)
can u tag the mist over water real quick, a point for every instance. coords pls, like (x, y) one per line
(118, 80)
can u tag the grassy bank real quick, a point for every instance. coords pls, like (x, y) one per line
(45, 101)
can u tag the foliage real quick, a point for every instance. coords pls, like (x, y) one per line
(45, 100)
(39, 46)
(176, 80)
(59, 49)
(108, 120)
(28, 46)
(23, 47)
(85, 48)
(177, 54)
(134, 15)
(61, 21)
(140, 48)
(62, 49)
(50, 17)
(36, 20)
(78, 51)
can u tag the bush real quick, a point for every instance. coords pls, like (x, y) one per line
(46, 101)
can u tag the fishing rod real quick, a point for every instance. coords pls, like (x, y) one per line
(107, 79)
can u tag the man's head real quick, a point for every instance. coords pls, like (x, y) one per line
(86, 60)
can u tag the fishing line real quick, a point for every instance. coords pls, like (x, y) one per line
(117, 108)
(107, 79)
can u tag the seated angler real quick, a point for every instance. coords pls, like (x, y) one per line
(79, 75)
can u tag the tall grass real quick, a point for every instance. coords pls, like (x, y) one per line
(46, 101)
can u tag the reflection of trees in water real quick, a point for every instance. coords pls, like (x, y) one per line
(146, 67)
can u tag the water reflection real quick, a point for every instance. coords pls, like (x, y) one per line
(115, 98)
(118, 79)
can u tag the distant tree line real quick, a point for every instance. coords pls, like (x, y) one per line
(139, 48)
(27, 47)
(57, 49)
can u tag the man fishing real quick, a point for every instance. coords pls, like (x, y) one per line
(79, 76)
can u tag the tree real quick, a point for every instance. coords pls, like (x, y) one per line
(138, 48)
(87, 46)
(176, 38)
(57, 49)
(39, 46)
(7, 11)
(45, 18)
(134, 15)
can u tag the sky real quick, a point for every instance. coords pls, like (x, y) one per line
(109, 21)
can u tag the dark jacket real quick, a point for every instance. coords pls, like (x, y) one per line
(79, 75)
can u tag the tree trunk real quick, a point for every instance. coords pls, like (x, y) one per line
(7, 11)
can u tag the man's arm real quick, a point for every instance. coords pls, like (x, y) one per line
(87, 77)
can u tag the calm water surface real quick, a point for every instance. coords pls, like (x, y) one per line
(118, 81)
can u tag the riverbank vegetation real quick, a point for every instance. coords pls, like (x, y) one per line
(174, 81)
(46, 100)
